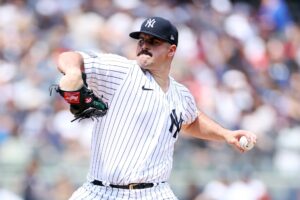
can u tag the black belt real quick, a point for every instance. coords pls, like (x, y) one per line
(129, 186)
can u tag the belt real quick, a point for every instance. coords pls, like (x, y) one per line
(130, 186)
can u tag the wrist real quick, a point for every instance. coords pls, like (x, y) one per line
(226, 135)
(71, 81)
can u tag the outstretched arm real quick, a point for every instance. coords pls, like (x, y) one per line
(71, 65)
(205, 128)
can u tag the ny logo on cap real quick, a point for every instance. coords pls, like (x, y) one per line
(150, 23)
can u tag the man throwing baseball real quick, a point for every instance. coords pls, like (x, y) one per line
(140, 110)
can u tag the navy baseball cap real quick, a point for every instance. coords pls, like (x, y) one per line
(158, 27)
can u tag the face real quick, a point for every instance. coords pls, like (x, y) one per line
(152, 51)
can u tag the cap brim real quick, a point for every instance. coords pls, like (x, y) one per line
(136, 35)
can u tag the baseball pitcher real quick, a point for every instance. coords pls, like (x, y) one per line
(138, 110)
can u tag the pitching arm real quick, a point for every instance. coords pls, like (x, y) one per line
(205, 128)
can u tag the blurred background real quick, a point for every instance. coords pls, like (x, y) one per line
(240, 59)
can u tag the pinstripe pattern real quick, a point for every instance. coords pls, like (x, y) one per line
(134, 141)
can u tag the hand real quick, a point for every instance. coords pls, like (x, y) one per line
(234, 136)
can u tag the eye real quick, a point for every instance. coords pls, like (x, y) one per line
(150, 41)
(156, 42)
(141, 41)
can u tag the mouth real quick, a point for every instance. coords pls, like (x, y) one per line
(145, 53)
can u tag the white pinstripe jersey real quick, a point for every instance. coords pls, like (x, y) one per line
(134, 141)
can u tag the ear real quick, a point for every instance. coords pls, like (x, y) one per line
(172, 50)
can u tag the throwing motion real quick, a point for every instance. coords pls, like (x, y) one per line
(140, 110)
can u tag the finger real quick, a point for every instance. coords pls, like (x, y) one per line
(240, 149)
(252, 138)
(237, 145)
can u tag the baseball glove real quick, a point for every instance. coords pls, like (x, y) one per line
(83, 102)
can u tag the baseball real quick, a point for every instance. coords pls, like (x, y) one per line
(245, 144)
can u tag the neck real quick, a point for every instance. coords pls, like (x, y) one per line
(163, 82)
(162, 78)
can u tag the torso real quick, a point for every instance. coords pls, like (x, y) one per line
(134, 142)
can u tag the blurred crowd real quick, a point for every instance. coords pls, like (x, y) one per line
(240, 59)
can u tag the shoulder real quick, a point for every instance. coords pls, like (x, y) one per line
(102, 56)
(180, 88)
(106, 58)
(183, 93)
(185, 101)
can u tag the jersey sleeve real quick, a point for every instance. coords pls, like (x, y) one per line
(190, 110)
(105, 72)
